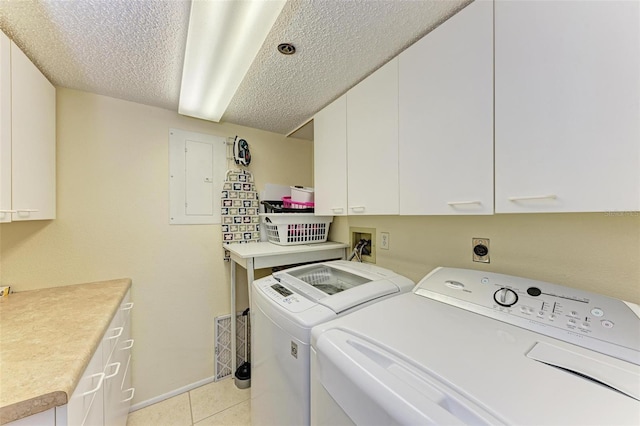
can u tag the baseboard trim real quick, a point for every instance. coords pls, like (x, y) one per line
(171, 394)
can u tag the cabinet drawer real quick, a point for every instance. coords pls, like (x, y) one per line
(118, 330)
(87, 396)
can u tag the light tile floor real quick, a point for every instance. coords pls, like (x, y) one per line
(216, 404)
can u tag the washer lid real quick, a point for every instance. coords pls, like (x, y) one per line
(335, 288)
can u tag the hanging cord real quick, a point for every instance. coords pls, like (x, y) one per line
(360, 249)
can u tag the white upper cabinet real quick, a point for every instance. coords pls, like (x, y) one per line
(330, 159)
(28, 138)
(446, 117)
(372, 143)
(567, 106)
(5, 128)
(33, 137)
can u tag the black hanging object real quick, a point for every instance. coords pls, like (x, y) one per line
(241, 153)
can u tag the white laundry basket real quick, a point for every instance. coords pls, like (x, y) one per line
(296, 228)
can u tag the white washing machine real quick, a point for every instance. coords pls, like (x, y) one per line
(471, 347)
(284, 307)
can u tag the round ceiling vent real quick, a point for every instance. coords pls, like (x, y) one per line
(286, 48)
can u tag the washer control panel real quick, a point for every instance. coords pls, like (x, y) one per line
(566, 313)
(283, 296)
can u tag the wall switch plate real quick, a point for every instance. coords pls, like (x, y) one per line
(384, 241)
(480, 248)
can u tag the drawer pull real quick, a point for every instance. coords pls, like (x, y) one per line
(97, 388)
(358, 209)
(127, 306)
(118, 333)
(8, 211)
(337, 210)
(115, 373)
(534, 197)
(127, 344)
(460, 203)
(133, 392)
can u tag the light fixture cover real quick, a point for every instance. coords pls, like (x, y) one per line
(223, 40)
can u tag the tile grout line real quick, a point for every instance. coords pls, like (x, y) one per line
(222, 411)
(190, 408)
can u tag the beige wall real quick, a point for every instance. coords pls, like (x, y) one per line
(112, 183)
(591, 251)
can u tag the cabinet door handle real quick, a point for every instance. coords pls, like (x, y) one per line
(133, 392)
(127, 306)
(26, 212)
(127, 344)
(115, 373)
(101, 375)
(118, 333)
(357, 209)
(534, 197)
(460, 203)
(337, 210)
(8, 211)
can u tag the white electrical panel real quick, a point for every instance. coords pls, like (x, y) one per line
(196, 173)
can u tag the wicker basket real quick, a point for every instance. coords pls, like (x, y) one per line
(296, 228)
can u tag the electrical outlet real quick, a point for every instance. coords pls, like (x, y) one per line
(384, 240)
(480, 248)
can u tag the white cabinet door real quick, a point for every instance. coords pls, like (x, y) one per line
(5, 128)
(330, 158)
(116, 397)
(86, 404)
(567, 106)
(103, 394)
(33, 137)
(446, 117)
(372, 143)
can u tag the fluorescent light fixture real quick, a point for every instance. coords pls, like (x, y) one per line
(223, 40)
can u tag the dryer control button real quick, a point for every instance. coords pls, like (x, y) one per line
(607, 324)
(597, 312)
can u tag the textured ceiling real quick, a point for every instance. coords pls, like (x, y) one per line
(134, 49)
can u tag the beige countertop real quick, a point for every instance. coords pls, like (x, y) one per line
(47, 338)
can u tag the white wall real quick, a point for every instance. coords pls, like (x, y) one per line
(112, 221)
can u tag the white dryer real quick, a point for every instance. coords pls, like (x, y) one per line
(284, 308)
(471, 347)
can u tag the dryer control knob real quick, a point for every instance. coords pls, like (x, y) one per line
(505, 297)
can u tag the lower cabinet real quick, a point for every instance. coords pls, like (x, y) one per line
(103, 395)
